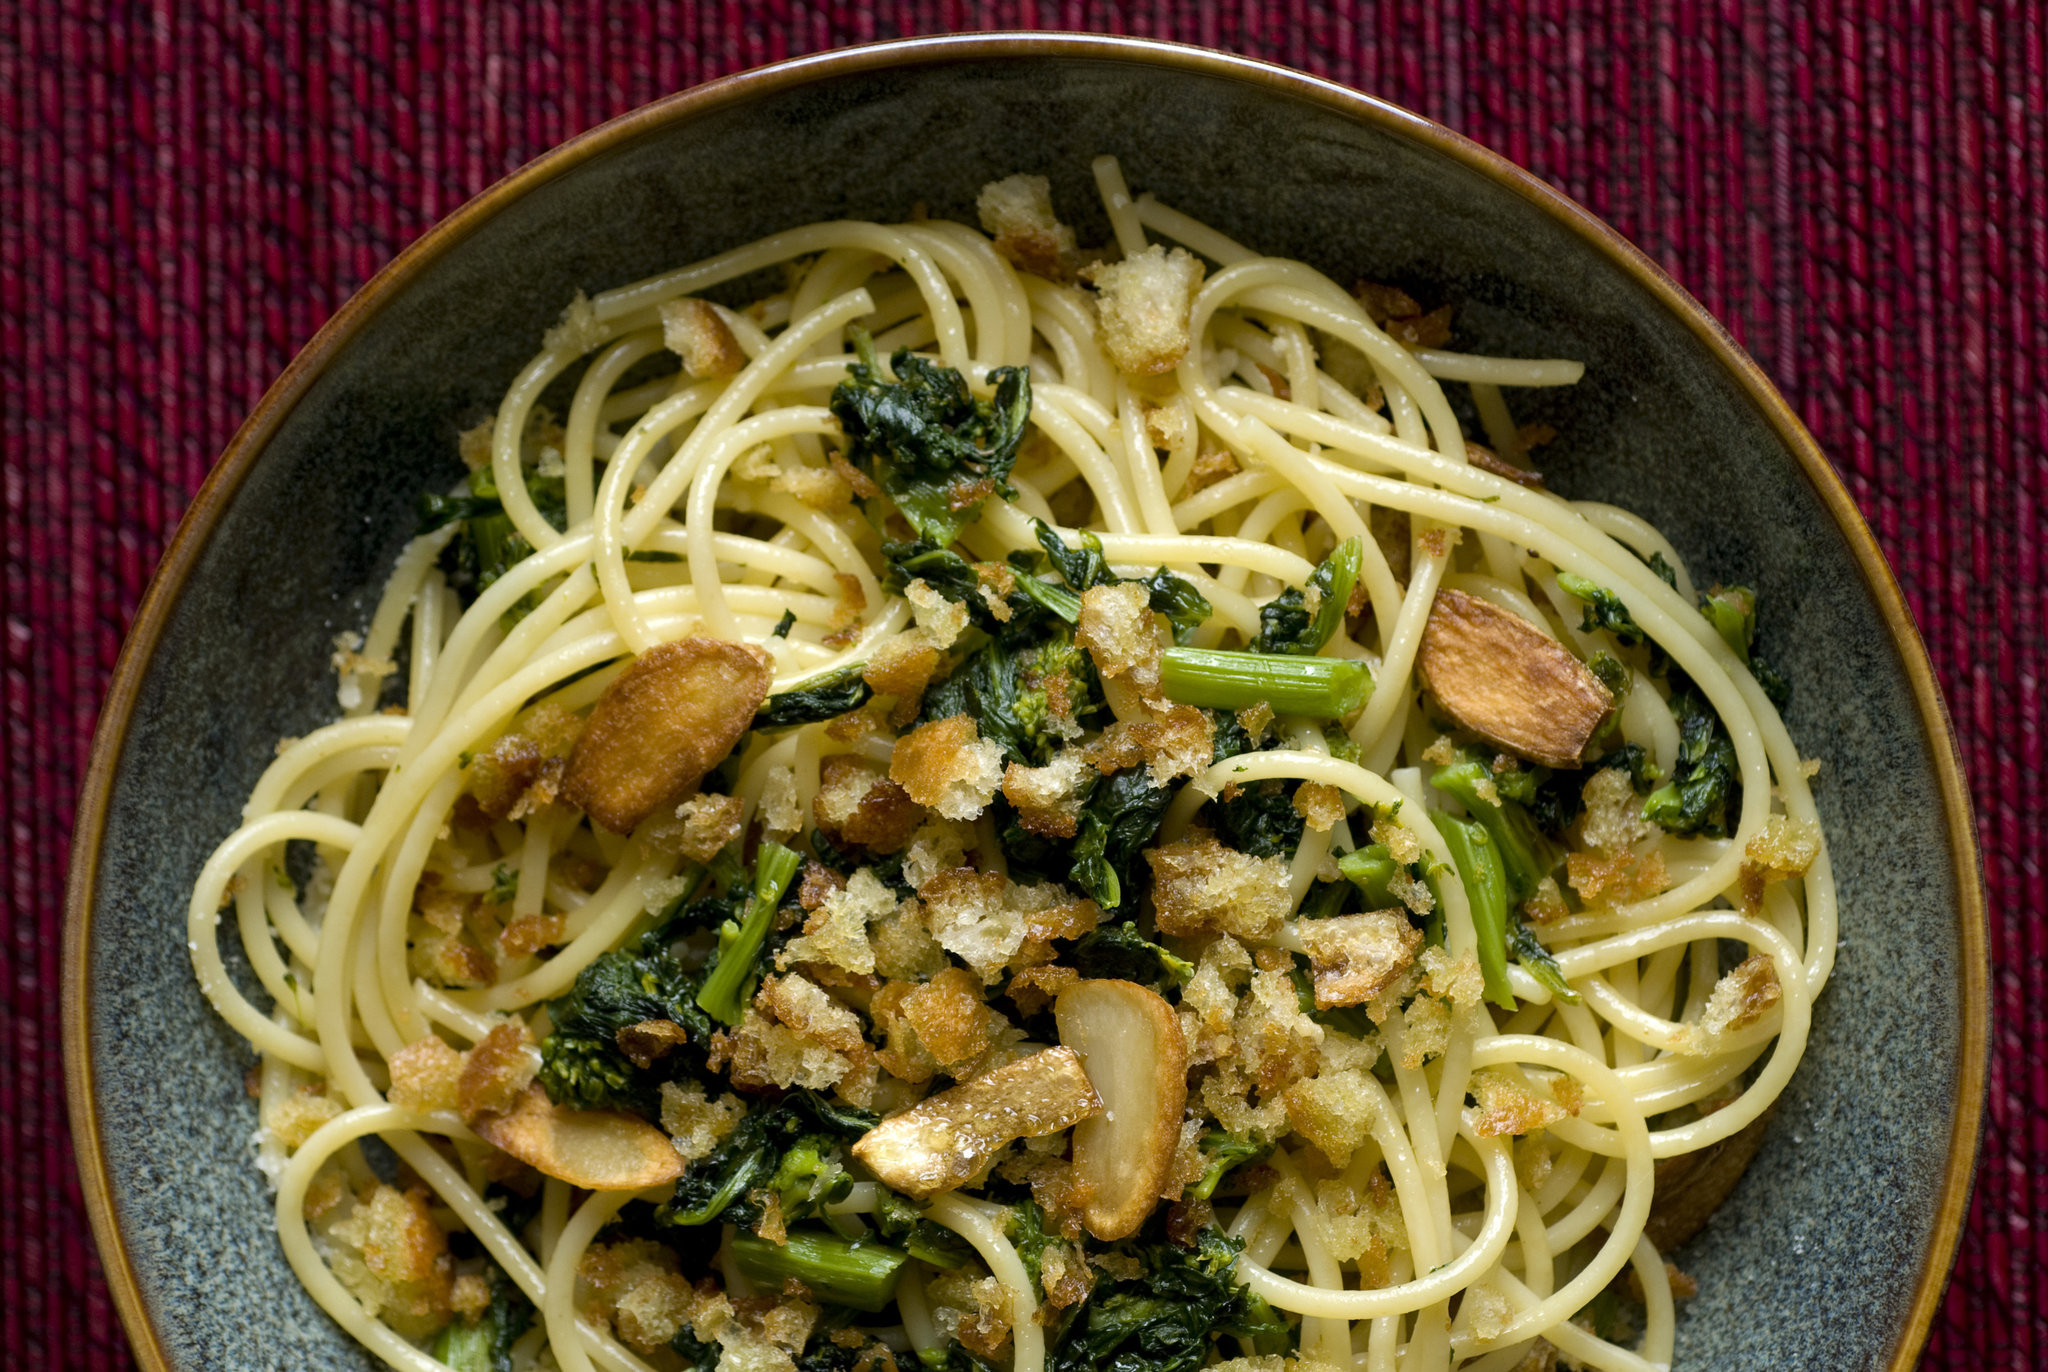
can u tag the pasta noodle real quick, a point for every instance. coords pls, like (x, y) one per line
(1275, 880)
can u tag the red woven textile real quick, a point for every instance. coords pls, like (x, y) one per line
(187, 191)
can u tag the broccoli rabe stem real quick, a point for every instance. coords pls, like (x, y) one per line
(860, 1274)
(1486, 888)
(724, 992)
(1370, 869)
(1317, 687)
(1526, 857)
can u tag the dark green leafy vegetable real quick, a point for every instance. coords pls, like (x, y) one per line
(1022, 690)
(1120, 817)
(936, 450)
(1537, 961)
(1664, 570)
(1085, 567)
(1287, 625)
(1118, 952)
(1166, 1319)
(1486, 887)
(1604, 609)
(504, 884)
(1703, 792)
(582, 1065)
(820, 697)
(1260, 818)
(1732, 612)
(861, 1274)
(486, 1346)
(946, 572)
(729, 979)
(1024, 1226)
(1223, 679)
(487, 545)
(1635, 760)
(754, 1155)
(904, 1225)
(784, 624)
(1225, 1152)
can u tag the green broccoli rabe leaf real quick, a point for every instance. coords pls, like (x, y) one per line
(1537, 961)
(1118, 952)
(1634, 759)
(1288, 625)
(582, 1065)
(1222, 1153)
(487, 545)
(486, 1346)
(1604, 609)
(936, 450)
(1167, 1319)
(1704, 794)
(1024, 1226)
(1120, 818)
(1025, 692)
(1259, 818)
(755, 1154)
(1732, 612)
(1084, 568)
(826, 696)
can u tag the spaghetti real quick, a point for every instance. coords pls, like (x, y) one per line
(775, 804)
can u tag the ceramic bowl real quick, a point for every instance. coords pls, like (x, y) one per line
(1832, 1253)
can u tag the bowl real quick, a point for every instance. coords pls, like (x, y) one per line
(1833, 1251)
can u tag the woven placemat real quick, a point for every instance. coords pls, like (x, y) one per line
(187, 191)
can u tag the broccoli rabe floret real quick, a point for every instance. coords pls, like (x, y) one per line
(582, 1064)
(794, 1148)
(1169, 1317)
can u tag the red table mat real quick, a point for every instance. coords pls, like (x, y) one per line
(187, 190)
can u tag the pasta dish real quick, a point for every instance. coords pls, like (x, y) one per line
(942, 797)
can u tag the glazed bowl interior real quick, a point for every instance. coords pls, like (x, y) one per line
(1834, 1246)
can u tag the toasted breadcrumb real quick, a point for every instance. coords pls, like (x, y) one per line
(781, 809)
(709, 823)
(1354, 958)
(1144, 302)
(389, 1253)
(578, 330)
(1614, 814)
(1017, 212)
(1320, 805)
(837, 931)
(984, 918)
(1119, 631)
(424, 1075)
(1616, 880)
(1048, 799)
(697, 1123)
(948, 765)
(1508, 1104)
(1200, 886)
(857, 805)
(695, 331)
(1785, 848)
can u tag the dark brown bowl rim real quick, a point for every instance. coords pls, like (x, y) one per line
(197, 526)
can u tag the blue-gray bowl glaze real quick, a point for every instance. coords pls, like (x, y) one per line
(1821, 1259)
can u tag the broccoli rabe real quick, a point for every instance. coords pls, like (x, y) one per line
(1732, 612)
(1119, 952)
(1703, 793)
(1167, 1319)
(1022, 690)
(1483, 874)
(1496, 800)
(937, 451)
(486, 1345)
(1259, 818)
(1537, 961)
(826, 696)
(582, 1064)
(1121, 816)
(792, 1148)
(487, 546)
(1604, 609)
(729, 978)
(904, 1225)
(1225, 1152)
(858, 1273)
(1288, 625)
(1085, 567)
